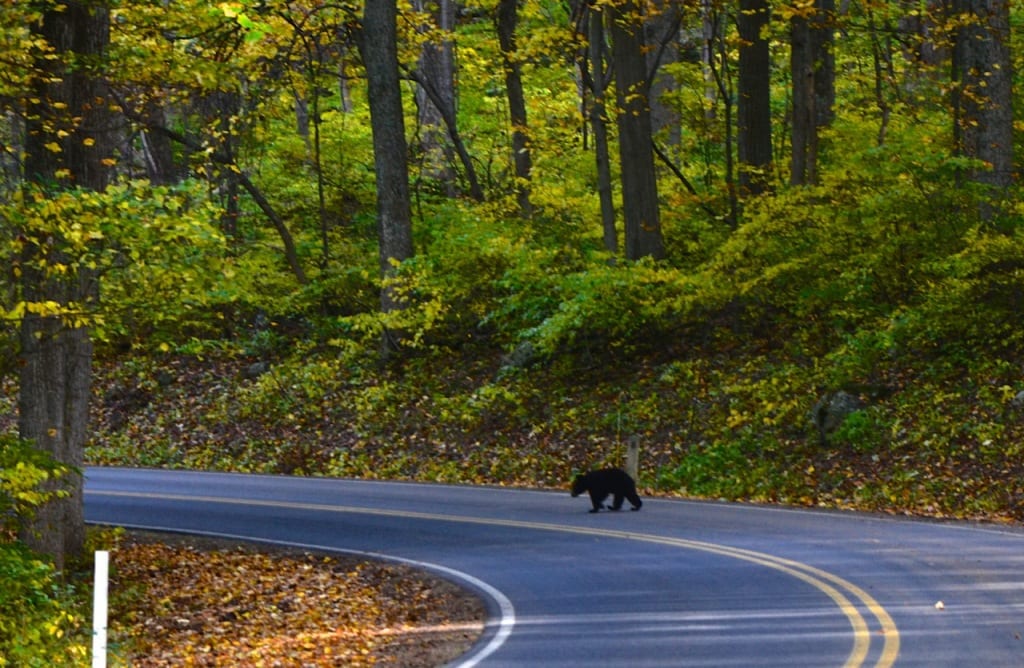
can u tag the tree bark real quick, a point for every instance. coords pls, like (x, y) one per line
(983, 94)
(661, 31)
(394, 218)
(812, 65)
(598, 83)
(69, 110)
(437, 66)
(636, 153)
(753, 109)
(507, 18)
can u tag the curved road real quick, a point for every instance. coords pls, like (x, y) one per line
(677, 584)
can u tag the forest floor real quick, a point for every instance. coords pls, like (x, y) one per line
(191, 601)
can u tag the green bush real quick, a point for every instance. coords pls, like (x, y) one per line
(731, 470)
(38, 624)
(23, 470)
(862, 430)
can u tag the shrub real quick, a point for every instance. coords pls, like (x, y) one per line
(38, 626)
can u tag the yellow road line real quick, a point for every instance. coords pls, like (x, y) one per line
(829, 584)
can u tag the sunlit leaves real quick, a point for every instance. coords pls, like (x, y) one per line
(148, 242)
(18, 47)
(240, 607)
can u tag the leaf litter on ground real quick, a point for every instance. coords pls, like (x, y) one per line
(192, 601)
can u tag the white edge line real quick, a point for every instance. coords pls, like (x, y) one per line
(502, 626)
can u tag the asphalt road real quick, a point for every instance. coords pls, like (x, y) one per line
(676, 584)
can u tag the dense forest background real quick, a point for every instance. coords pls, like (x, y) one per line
(777, 247)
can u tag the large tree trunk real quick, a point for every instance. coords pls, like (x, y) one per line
(636, 150)
(53, 404)
(394, 218)
(69, 111)
(983, 96)
(753, 109)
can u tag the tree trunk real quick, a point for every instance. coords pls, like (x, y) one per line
(661, 31)
(803, 166)
(599, 125)
(437, 65)
(68, 110)
(823, 30)
(507, 18)
(394, 219)
(636, 151)
(983, 96)
(753, 110)
(812, 64)
(53, 405)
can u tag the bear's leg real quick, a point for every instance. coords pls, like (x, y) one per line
(597, 500)
(634, 499)
(617, 503)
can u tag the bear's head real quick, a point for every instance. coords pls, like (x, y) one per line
(579, 485)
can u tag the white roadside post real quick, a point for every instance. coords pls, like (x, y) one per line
(99, 610)
(633, 457)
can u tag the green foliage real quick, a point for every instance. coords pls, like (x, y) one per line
(157, 250)
(864, 431)
(168, 254)
(745, 468)
(973, 301)
(610, 305)
(854, 249)
(23, 472)
(39, 625)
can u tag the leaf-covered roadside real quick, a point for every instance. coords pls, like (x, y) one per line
(734, 425)
(185, 601)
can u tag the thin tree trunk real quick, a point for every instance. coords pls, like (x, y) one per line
(224, 157)
(475, 191)
(599, 125)
(507, 18)
(661, 30)
(437, 65)
(803, 164)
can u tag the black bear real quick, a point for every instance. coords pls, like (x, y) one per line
(599, 484)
